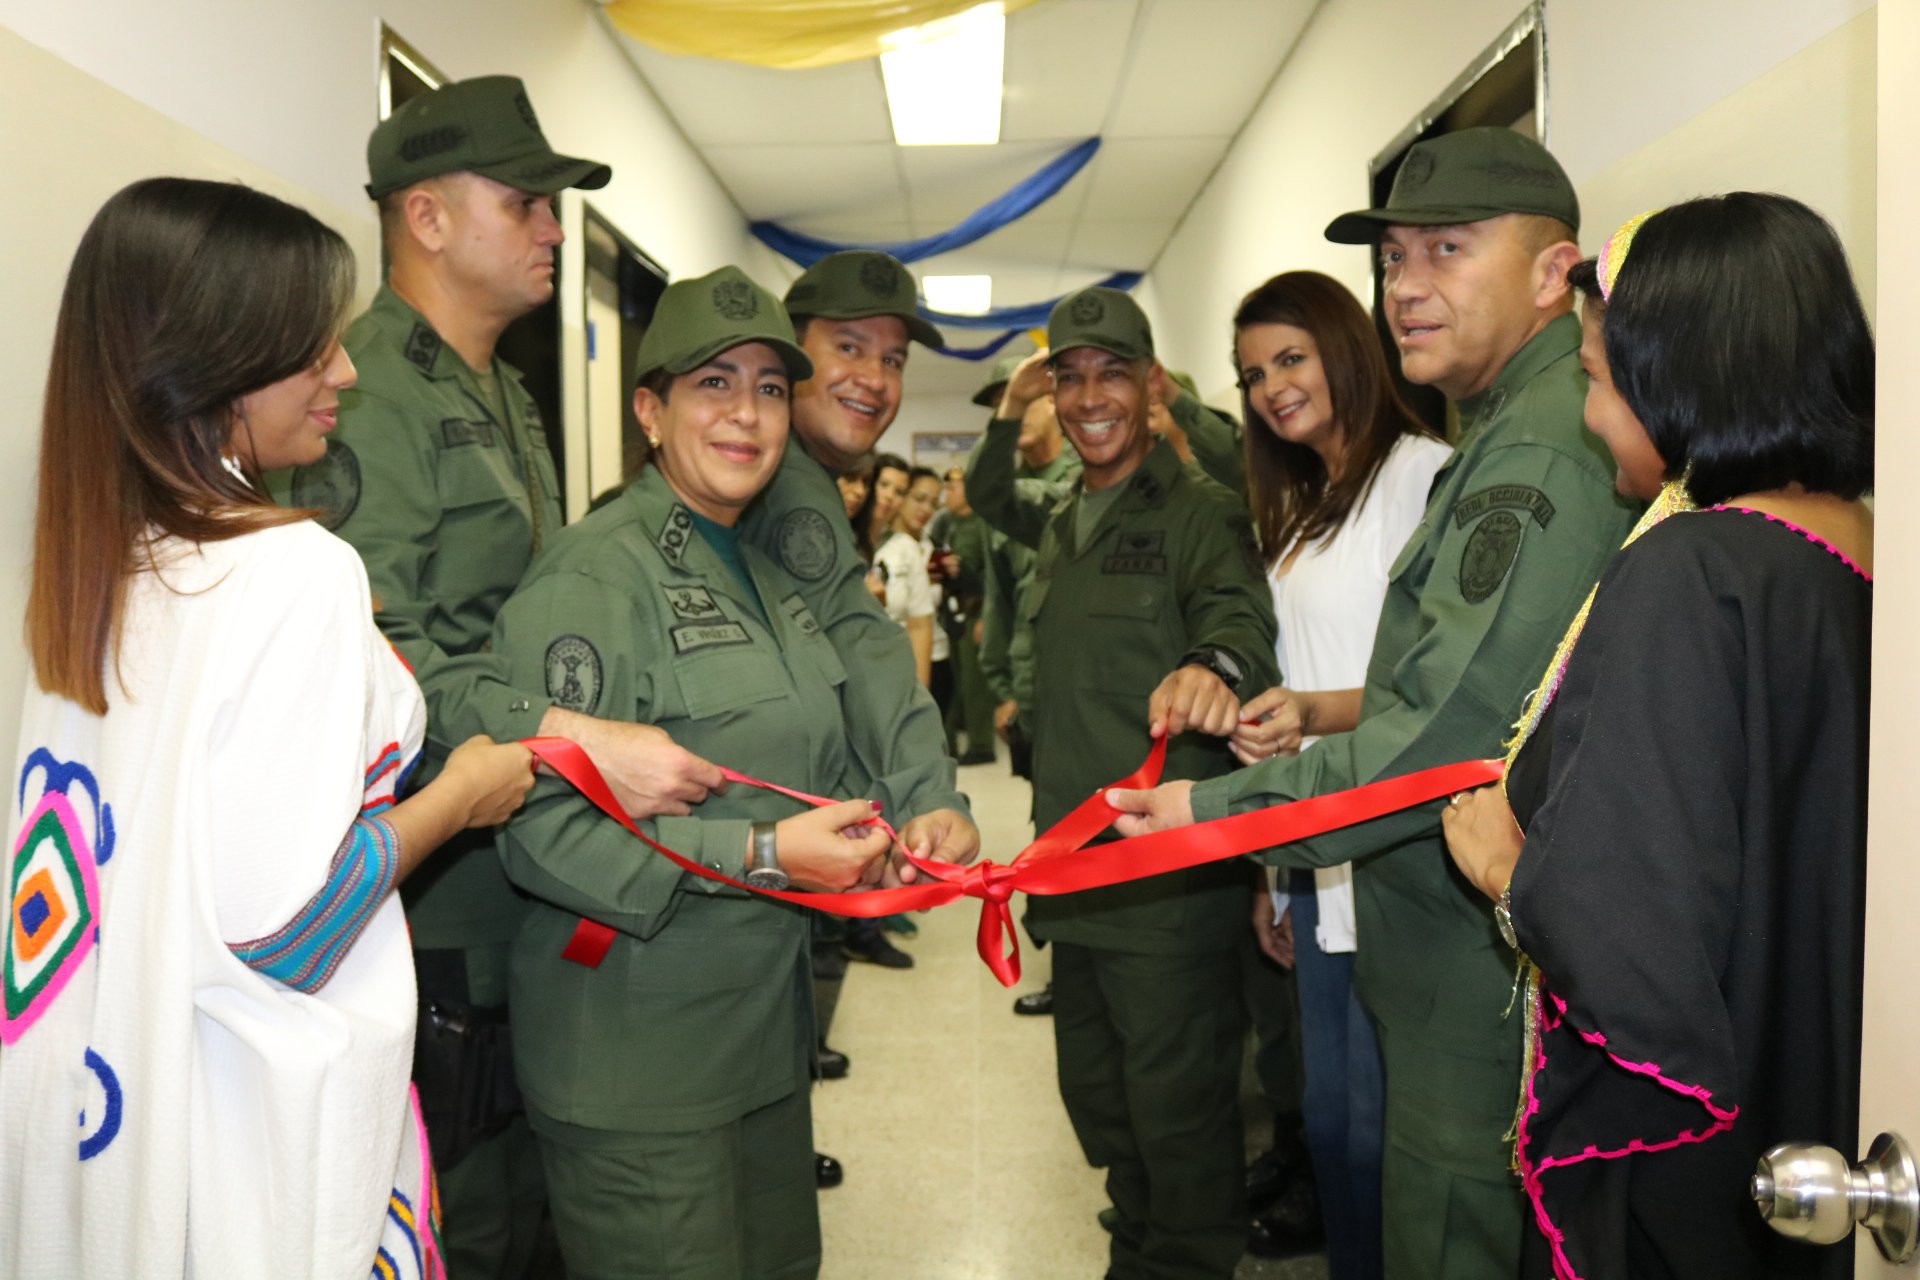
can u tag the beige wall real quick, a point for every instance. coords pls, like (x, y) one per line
(1649, 101)
(96, 93)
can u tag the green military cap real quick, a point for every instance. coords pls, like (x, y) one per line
(695, 320)
(856, 283)
(989, 394)
(1100, 317)
(484, 125)
(1465, 177)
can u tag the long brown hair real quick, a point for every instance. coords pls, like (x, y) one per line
(1287, 482)
(183, 297)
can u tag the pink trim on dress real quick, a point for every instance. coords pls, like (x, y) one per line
(1530, 1171)
(1806, 533)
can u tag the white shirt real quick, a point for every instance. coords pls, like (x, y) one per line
(1328, 606)
(909, 589)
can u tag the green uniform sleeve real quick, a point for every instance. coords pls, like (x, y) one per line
(1017, 508)
(997, 614)
(1215, 440)
(1484, 608)
(559, 847)
(394, 525)
(1226, 600)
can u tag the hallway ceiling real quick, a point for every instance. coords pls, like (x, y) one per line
(1166, 83)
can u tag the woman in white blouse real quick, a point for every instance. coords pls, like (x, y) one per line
(1337, 481)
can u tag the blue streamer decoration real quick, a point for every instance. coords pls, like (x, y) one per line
(1015, 204)
(1031, 315)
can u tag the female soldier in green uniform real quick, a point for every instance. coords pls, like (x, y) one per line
(668, 1086)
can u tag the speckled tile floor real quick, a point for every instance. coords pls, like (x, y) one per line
(960, 1162)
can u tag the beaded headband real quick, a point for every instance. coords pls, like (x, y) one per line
(1613, 255)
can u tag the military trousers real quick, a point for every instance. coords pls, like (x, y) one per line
(1149, 1050)
(734, 1202)
(1451, 1207)
(970, 715)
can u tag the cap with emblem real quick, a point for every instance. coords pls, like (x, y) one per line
(989, 394)
(1466, 176)
(856, 283)
(1100, 317)
(484, 125)
(695, 320)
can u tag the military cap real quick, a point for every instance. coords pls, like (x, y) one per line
(1100, 317)
(856, 283)
(695, 320)
(1466, 176)
(989, 393)
(484, 125)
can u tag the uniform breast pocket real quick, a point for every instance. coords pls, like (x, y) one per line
(721, 683)
(473, 473)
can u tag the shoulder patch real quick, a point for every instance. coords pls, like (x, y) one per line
(693, 604)
(1490, 552)
(674, 534)
(1509, 497)
(423, 346)
(805, 543)
(331, 485)
(690, 636)
(796, 608)
(1138, 551)
(574, 674)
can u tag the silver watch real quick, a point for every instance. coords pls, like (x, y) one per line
(763, 857)
(1503, 916)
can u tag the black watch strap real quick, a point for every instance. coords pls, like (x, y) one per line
(1218, 661)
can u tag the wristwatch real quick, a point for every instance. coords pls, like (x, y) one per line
(763, 857)
(1218, 661)
(1503, 916)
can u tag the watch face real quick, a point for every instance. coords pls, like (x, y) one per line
(1504, 918)
(767, 878)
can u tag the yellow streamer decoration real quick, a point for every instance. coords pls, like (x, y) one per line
(787, 34)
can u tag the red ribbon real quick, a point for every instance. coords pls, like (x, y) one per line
(1054, 863)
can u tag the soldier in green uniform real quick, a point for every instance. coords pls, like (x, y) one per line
(959, 529)
(855, 313)
(668, 1086)
(440, 477)
(1476, 239)
(1148, 612)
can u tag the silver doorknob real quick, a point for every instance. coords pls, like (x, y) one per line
(1811, 1193)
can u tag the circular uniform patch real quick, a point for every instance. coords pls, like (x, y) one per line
(806, 544)
(1088, 308)
(1490, 553)
(574, 674)
(330, 486)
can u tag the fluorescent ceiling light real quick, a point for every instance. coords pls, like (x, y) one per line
(958, 295)
(944, 79)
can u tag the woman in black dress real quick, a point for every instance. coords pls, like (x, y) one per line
(1692, 779)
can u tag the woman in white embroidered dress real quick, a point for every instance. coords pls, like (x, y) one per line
(1337, 480)
(205, 961)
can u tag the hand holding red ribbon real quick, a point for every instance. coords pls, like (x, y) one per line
(1057, 862)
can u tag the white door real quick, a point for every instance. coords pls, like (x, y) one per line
(1890, 1066)
(606, 387)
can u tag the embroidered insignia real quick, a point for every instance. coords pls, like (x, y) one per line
(1147, 487)
(674, 534)
(574, 674)
(698, 635)
(879, 277)
(111, 1101)
(423, 347)
(1513, 497)
(1138, 551)
(431, 142)
(53, 887)
(735, 300)
(1490, 552)
(1088, 308)
(805, 544)
(525, 108)
(802, 616)
(455, 432)
(330, 486)
(1415, 172)
(693, 604)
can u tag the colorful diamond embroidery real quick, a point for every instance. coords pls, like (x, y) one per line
(53, 892)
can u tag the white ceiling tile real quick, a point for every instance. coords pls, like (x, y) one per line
(1064, 61)
(945, 184)
(1119, 244)
(1217, 57)
(1023, 244)
(731, 104)
(1148, 178)
(794, 184)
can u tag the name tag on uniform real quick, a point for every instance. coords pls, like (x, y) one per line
(1139, 551)
(458, 431)
(699, 635)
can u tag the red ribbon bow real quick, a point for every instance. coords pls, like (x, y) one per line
(1057, 862)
